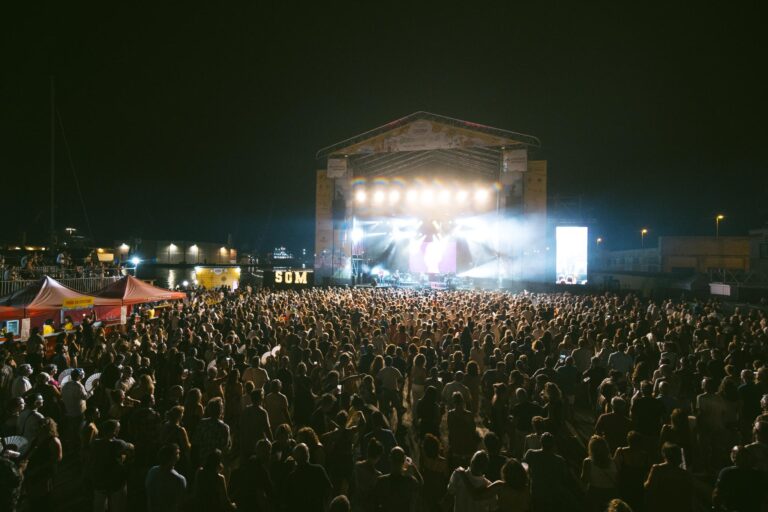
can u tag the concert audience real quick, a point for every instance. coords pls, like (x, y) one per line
(378, 400)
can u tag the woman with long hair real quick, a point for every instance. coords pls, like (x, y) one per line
(210, 488)
(598, 473)
(678, 432)
(472, 381)
(43, 456)
(174, 433)
(417, 378)
(554, 407)
(193, 410)
(632, 465)
(308, 436)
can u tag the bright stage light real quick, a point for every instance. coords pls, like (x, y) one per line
(378, 197)
(394, 196)
(357, 235)
(427, 196)
(360, 196)
(412, 195)
(445, 196)
(481, 195)
(461, 196)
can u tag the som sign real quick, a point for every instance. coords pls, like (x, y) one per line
(291, 276)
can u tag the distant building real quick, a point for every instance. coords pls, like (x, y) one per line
(758, 252)
(682, 255)
(176, 252)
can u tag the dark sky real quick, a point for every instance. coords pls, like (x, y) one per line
(193, 123)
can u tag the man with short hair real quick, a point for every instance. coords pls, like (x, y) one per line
(615, 425)
(462, 432)
(551, 483)
(309, 487)
(212, 433)
(74, 395)
(165, 487)
(30, 418)
(397, 490)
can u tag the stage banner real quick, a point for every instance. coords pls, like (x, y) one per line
(337, 167)
(515, 160)
(25, 326)
(123, 315)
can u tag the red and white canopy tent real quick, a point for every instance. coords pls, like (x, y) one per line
(47, 296)
(46, 299)
(129, 291)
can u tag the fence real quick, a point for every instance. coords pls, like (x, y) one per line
(81, 284)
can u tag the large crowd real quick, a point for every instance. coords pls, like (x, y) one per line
(386, 400)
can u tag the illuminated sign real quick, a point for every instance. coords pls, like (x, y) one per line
(80, 303)
(289, 278)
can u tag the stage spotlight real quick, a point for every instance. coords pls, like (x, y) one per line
(412, 196)
(357, 235)
(445, 196)
(427, 196)
(360, 196)
(481, 195)
(461, 196)
(378, 197)
(394, 196)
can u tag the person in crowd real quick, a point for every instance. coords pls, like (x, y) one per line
(43, 458)
(599, 474)
(108, 469)
(615, 425)
(365, 477)
(434, 470)
(741, 486)
(210, 491)
(463, 482)
(398, 490)
(669, 487)
(551, 483)
(164, 486)
(308, 486)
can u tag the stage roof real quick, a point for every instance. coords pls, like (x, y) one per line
(426, 143)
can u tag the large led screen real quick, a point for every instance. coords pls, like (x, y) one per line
(437, 257)
(571, 258)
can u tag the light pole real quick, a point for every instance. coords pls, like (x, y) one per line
(719, 217)
(643, 232)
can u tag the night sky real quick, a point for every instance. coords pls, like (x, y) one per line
(194, 123)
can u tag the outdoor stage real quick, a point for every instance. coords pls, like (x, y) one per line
(430, 201)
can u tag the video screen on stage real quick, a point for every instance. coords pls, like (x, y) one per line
(571, 256)
(436, 257)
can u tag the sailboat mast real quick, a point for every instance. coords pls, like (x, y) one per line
(53, 162)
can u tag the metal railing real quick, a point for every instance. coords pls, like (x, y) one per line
(81, 284)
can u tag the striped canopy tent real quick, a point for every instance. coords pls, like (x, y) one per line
(130, 290)
(47, 296)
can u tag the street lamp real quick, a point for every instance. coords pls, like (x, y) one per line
(719, 217)
(643, 232)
